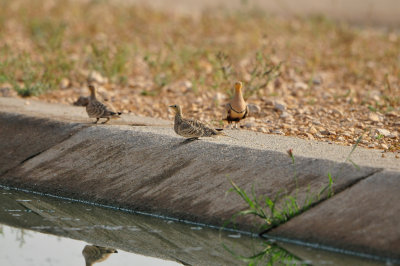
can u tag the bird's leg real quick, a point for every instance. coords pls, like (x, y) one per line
(236, 125)
(108, 119)
(97, 120)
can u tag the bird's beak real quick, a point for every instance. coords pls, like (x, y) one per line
(238, 85)
(171, 106)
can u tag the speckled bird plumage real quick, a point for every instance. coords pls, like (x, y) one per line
(95, 109)
(237, 108)
(94, 254)
(191, 128)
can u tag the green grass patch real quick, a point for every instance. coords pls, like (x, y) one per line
(282, 207)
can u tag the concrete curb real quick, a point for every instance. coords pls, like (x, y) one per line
(151, 169)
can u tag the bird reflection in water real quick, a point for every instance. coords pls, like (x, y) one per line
(94, 254)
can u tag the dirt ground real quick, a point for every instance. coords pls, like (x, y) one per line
(309, 77)
(383, 13)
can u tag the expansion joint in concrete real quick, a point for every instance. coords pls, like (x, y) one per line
(356, 181)
(314, 204)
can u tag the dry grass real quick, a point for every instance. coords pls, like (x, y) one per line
(336, 81)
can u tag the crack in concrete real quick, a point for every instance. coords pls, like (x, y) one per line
(356, 181)
(32, 156)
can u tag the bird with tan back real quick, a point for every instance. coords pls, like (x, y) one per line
(95, 109)
(191, 128)
(94, 254)
(237, 108)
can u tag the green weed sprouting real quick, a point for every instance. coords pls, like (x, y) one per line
(29, 77)
(262, 72)
(109, 63)
(281, 208)
(224, 71)
(266, 208)
(224, 67)
(163, 67)
(47, 34)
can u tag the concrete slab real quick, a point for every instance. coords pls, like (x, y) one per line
(363, 218)
(23, 137)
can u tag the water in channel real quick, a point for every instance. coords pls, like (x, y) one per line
(39, 230)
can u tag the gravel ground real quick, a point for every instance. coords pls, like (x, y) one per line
(307, 77)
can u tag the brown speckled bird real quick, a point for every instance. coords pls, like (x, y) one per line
(237, 108)
(96, 109)
(191, 128)
(94, 254)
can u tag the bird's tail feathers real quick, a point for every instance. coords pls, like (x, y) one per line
(115, 114)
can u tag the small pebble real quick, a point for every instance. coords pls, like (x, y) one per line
(383, 132)
(281, 106)
(384, 146)
(254, 108)
(374, 117)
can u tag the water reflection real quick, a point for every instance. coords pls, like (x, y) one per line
(166, 242)
(94, 254)
(268, 253)
(41, 249)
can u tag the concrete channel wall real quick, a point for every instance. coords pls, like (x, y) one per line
(140, 164)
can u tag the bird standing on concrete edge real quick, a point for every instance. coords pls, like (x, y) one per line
(96, 109)
(237, 108)
(191, 128)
